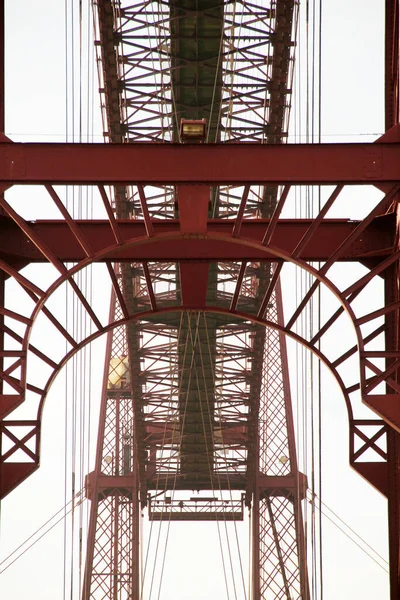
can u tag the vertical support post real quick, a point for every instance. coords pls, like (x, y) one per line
(2, 127)
(392, 339)
(94, 480)
(394, 512)
(300, 480)
(277, 567)
(2, 66)
(2, 303)
(392, 294)
(391, 63)
(112, 559)
(255, 553)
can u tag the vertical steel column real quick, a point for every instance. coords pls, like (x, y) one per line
(394, 512)
(279, 553)
(2, 302)
(2, 66)
(392, 337)
(391, 63)
(2, 127)
(112, 560)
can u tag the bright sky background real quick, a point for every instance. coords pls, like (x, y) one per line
(352, 66)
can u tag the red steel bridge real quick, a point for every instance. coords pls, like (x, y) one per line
(196, 394)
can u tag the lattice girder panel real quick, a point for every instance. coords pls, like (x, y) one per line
(135, 70)
(279, 553)
(277, 445)
(280, 575)
(19, 451)
(369, 452)
(257, 70)
(114, 549)
(229, 62)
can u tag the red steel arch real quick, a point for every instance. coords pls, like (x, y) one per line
(195, 241)
(193, 247)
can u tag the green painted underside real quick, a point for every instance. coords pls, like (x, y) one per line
(196, 32)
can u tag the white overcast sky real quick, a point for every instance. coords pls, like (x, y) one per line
(353, 107)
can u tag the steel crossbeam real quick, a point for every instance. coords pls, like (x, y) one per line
(216, 164)
(216, 244)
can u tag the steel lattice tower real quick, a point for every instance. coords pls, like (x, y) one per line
(196, 391)
(112, 564)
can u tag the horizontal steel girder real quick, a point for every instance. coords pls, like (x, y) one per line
(199, 163)
(169, 243)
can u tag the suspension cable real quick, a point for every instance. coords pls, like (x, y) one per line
(179, 453)
(319, 130)
(217, 474)
(65, 512)
(168, 467)
(229, 486)
(334, 520)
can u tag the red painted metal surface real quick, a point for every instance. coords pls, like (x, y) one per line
(212, 164)
(2, 67)
(391, 63)
(168, 242)
(188, 251)
(15, 436)
(278, 532)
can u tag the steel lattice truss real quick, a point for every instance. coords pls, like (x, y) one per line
(279, 508)
(112, 557)
(231, 64)
(197, 393)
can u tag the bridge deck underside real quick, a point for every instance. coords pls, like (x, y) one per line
(230, 64)
(196, 67)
